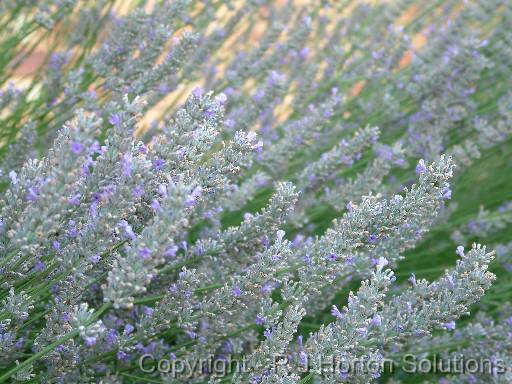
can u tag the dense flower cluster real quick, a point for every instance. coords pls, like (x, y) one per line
(169, 190)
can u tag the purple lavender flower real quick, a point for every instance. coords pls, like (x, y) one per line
(171, 251)
(32, 194)
(111, 337)
(39, 266)
(376, 320)
(127, 229)
(210, 113)
(446, 192)
(303, 358)
(158, 164)
(145, 253)
(191, 199)
(266, 289)
(412, 279)
(95, 259)
(327, 114)
(94, 209)
(173, 288)
(86, 166)
(229, 123)
(115, 120)
(297, 240)
(90, 341)
(449, 326)
(143, 149)
(77, 147)
(259, 96)
(94, 148)
(74, 200)
(122, 356)
(347, 160)
(258, 147)
(421, 167)
(191, 334)
(163, 89)
(372, 239)
(138, 191)
(382, 262)
(384, 152)
(336, 312)
(14, 177)
(128, 328)
(344, 375)
(20, 343)
(198, 92)
(72, 231)
(222, 98)
(260, 320)
(237, 292)
(126, 165)
(155, 205)
(162, 190)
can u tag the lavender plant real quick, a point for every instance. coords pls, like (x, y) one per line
(254, 191)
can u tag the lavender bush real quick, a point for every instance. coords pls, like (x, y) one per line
(255, 192)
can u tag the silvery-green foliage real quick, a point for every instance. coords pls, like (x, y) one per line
(428, 126)
(504, 254)
(369, 180)
(370, 323)
(300, 133)
(255, 197)
(276, 341)
(19, 151)
(10, 97)
(332, 161)
(17, 305)
(318, 173)
(488, 135)
(350, 336)
(139, 30)
(24, 374)
(374, 221)
(485, 339)
(247, 190)
(427, 306)
(237, 244)
(132, 271)
(42, 190)
(485, 223)
(51, 11)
